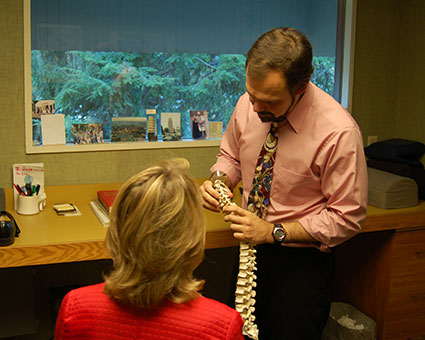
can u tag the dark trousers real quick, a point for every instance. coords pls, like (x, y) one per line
(293, 292)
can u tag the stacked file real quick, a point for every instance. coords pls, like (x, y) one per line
(390, 191)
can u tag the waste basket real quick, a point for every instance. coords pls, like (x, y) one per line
(347, 323)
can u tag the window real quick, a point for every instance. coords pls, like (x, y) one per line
(103, 61)
(95, 87)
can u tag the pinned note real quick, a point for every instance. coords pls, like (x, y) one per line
(53, 129)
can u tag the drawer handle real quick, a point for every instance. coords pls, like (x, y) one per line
(418, 338)
(416, 298)
(420, 254)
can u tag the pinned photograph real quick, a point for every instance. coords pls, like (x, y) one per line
(43, 107)
(171, 126)
(128, 129)
(215, 129)
(199, 124)
(87, 133)
(152, 129)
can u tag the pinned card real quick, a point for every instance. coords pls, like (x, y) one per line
(53, 129)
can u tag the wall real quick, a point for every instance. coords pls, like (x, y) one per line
(388, 98)
(376, 67)
(389, 76)
(411, 104)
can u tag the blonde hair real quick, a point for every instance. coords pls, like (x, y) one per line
(156, 237)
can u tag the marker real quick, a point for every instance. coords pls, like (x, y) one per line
(37, 189)
(28, 189)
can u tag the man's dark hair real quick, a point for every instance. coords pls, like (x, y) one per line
(285, 49)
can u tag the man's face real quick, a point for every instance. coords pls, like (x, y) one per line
(270, 96)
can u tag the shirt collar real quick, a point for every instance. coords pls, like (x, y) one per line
(296, 117)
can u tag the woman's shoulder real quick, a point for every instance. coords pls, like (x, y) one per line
(96, 289)
(206, 316)
(87, 295)
(209, 309)
(90, 302)
(204, 302)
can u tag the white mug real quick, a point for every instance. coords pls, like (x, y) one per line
(31, 205)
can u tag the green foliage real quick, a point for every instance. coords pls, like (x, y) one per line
(93, 87)
(324, 73)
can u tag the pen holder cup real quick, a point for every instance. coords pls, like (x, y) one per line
(31, 205)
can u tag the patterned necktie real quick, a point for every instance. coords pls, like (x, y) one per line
(259, 197)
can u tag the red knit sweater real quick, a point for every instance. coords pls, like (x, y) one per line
(88, 313)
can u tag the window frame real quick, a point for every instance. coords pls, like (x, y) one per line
(343, 75)
(347, 30)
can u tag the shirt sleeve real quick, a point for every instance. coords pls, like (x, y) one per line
(344, 185)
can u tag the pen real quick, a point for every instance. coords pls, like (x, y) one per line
(18, 189)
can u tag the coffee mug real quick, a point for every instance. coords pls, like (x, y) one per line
(31, 205)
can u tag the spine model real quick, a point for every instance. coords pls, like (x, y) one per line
(245, 293)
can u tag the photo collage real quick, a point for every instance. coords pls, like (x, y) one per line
(128, 129)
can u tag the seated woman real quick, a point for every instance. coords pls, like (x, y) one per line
(156, 239)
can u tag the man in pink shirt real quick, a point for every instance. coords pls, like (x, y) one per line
(318, 196)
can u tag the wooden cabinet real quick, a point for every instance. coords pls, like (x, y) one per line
(408, 252)
(406, 296)
(383, 275)
(405, 317)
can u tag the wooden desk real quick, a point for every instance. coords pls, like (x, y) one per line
(47, 238)
(394, 219)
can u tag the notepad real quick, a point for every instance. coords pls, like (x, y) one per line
(100, 213)
(66, 209)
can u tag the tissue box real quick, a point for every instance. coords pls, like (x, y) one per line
(390, 191)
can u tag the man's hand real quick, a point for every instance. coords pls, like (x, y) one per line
(210, 196)
(247, 226)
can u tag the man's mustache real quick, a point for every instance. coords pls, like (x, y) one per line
(267, 117)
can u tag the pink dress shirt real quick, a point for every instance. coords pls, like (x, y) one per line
(320, 173)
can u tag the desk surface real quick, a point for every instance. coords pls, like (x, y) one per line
(47, 238)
